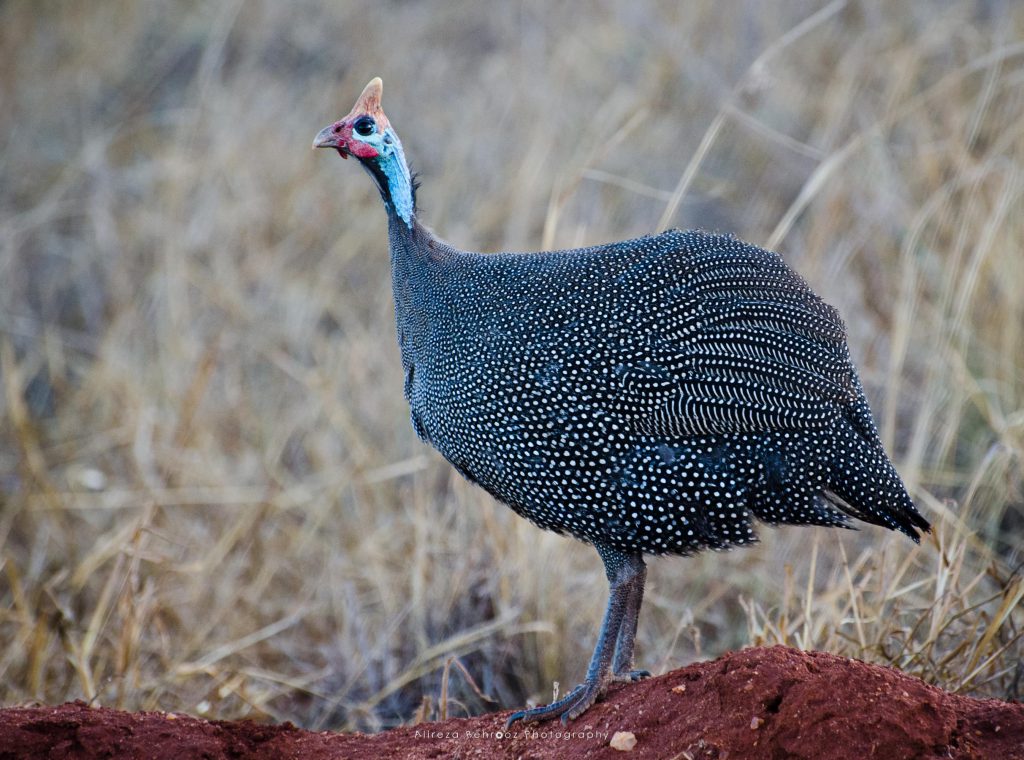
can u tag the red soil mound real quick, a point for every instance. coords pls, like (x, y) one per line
(757, 703)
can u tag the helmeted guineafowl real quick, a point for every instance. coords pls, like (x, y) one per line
(648, 397)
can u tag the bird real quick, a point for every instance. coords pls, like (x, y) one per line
(656, 396)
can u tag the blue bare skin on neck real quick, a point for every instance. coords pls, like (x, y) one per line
(397, 182)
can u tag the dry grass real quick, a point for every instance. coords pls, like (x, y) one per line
(211, 497)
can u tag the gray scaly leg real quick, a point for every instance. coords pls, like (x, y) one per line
(623, 569)
(622, 665)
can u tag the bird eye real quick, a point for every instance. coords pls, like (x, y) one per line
(364, 126)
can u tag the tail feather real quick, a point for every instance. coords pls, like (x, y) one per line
(865, 485)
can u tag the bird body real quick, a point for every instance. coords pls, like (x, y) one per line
(652, 396)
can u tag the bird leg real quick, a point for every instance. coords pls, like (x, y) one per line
(623, 570)
(622, 665)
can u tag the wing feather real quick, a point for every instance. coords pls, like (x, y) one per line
(740, 343)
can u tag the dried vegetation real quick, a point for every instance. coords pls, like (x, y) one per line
(210, 496)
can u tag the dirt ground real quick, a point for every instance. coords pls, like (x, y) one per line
(757, 703)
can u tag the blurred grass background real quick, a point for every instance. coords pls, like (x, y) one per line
(211, 499)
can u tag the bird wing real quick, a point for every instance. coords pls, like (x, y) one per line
(739, 343)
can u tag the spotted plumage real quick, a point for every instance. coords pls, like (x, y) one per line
(654, 396)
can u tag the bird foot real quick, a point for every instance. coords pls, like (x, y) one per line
(631, 676)
(569, 707)
(577, 701)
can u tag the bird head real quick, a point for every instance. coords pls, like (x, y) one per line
(365, 132)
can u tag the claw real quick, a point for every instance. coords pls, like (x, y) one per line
(631, 676)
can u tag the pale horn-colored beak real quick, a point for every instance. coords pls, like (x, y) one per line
(325, 138)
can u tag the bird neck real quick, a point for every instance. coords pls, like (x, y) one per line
(410, 248)
(394, 181)
(412, 282)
